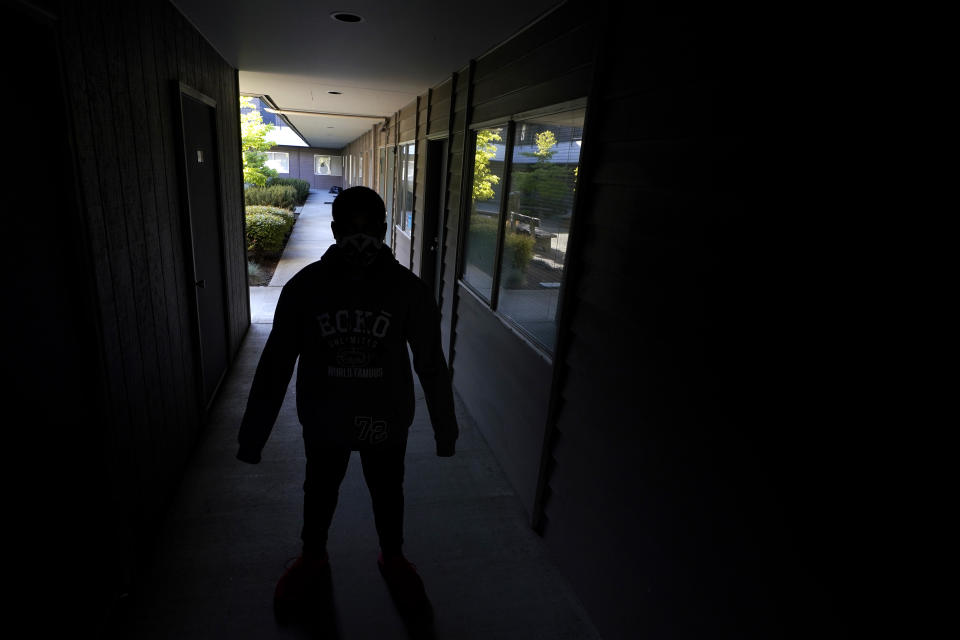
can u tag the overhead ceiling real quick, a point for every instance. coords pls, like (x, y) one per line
(295, 53)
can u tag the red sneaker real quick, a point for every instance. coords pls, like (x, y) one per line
(405, 585)
(301, 581)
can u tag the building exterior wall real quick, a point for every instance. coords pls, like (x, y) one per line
(301, 165)
(605, 439)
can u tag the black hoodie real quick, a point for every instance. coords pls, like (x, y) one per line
(350, 325)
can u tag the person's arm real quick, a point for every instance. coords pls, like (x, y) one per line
(271, 379)
(430, 364)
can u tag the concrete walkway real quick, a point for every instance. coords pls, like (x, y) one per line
(310, 238)
(232, 528)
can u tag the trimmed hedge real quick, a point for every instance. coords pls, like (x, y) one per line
(282, 196)
(276, 211)
(266, 233)
(302, 186)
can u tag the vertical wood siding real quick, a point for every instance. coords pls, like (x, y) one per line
(451, 252)
(419, 177)
(122, 61)
(644, 463)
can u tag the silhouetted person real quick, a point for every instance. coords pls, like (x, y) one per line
(349, 318)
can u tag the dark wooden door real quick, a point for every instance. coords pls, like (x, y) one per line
(205, 236)
(432, 233)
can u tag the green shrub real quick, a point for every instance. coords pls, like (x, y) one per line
(282, 196)
(302, 186)
(518, 250)
(265, 234)
(482, 247)
(287, 215)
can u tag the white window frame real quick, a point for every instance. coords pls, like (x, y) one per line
(275, 156)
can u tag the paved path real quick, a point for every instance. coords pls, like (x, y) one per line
(309, 240)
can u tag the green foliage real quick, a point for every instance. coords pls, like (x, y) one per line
(545, 140)
(545, 185)
(302, 186)
(265, 234)
(482, 242)
(254, 144)
(254, 271)
(282, 196)
(483, 179)
(518, 250)
(287, 216)
(482, 247)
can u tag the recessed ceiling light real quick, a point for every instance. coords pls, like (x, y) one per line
(345, 16)
(335, 93)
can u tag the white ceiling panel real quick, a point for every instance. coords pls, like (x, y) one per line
(294, 52)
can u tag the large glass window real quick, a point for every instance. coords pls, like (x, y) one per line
(531, 222)
(391, 175)
(543, 177)
(484, 222)
(382, 185)
(408, 159)
(381, 168)
(279, 160)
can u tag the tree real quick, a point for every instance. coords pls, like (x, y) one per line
(483, 180)
(254, 144)
(546, 185)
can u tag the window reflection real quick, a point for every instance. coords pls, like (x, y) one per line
(481, 243)
(544, 166)
(406, 167)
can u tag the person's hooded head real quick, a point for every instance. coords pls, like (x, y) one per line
(359, 223)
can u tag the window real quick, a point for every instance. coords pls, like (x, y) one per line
(321, 165)
(391, 175)
(381, 167)
(383, 175)
(279, 160)
(408, 159)
(481, 246)
(537, 160)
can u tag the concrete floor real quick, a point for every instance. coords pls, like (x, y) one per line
(233, 527)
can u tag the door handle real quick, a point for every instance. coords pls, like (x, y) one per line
(201, 283)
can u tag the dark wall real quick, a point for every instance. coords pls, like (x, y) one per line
(675, 494)
(133, 326)
(664, 452)
(505, 383)
(54, 378)
(451, 245)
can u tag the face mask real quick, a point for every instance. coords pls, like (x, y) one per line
(359, 248)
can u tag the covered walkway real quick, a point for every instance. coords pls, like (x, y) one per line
(233, 526)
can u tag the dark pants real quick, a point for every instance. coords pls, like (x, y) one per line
(383, 470)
